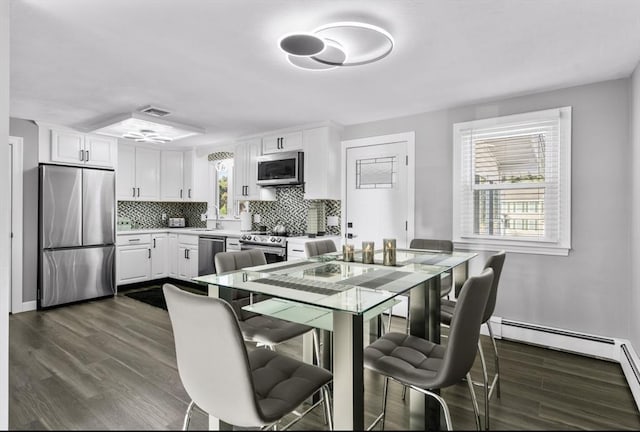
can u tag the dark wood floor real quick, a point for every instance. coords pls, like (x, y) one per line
(110, 364)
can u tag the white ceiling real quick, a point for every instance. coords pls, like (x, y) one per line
(216, 64)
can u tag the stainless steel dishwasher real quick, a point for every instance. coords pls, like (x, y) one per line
(208, 247)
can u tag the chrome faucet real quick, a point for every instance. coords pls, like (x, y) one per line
(218, 225)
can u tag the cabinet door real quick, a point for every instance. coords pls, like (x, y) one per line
(67, 147)
(188, 175)
(126, 173)
(172, 176)
(321, 163)
(253, 151)
(283, 142)
(147, 174)
(134, 264)
(100, 151)
(187, 261)
(159, 256)
(240, 165)
(174, 257)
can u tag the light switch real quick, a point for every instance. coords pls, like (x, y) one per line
(203, 217)
(256, 218)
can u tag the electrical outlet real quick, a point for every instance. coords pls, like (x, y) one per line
(164, 217)
(256, 218)
(203, 217)
(332, 221)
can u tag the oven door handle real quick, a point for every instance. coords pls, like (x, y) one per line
(266, 249)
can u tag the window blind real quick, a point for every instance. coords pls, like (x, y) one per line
(510, 185)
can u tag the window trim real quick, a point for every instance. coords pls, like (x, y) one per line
(213, 200)
(478, 242)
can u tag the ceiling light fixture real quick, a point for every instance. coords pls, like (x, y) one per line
(142, 127)
(337, 44)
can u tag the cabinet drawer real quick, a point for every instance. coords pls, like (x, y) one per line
(188, 239)
(133, 239)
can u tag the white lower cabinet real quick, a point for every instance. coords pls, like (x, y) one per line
(173, 255)
(159, 256)
(134, 263)
(187, 256)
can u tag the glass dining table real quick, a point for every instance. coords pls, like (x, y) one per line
(340, 296)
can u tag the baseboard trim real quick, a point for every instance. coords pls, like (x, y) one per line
(29, 306)
(630, 363)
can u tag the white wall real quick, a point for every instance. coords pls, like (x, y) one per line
(588, 291)
(634, 332)
(4, 215)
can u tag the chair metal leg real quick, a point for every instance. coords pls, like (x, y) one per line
(326, 395)
(441, 401)
(187, 416)
(474, 401)
(485, 380)
(383, 414)
(497, 370)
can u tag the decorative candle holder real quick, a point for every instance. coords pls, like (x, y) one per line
(347, 252)
(367, 252)
(389, 252)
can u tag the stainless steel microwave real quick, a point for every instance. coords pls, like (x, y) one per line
(281, 169)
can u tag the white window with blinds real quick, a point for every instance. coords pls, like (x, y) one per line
(511, 183)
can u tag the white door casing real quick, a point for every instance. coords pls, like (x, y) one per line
(15, 148)
(383, 205)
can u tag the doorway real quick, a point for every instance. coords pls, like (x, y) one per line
(15, 255)
(379, 187)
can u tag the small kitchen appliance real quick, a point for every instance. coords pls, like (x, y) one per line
(176, 222)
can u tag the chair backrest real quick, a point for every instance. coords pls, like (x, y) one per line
(431, 244)
(319, 247)
(232, 261)
(212, 358)
(494, 262)
(464, 330)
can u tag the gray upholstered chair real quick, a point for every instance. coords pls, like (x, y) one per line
(247, 389)
(261, 329)
(319, 247)
(495, 262)
(426, 366)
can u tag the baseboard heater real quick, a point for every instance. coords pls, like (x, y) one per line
(558, 332)
(633, 365)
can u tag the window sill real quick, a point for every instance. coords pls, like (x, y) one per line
(496, 245)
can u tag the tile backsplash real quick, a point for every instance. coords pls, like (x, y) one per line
(148, 214)
(290, 208)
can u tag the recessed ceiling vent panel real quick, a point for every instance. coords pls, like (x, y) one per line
(155, 111)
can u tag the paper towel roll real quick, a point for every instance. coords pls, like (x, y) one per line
(245, 221)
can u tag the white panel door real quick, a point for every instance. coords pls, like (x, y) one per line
(100, 151)
(188, 175)
(173, 255)
(147, 174)
(159, 256)
(126, 173)
(134, 264)
(377, 193)
(172, 175)
(67, 147)
(253, 151)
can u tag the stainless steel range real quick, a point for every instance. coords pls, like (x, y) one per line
(274, 247)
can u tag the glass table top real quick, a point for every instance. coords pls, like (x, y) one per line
(329, 282)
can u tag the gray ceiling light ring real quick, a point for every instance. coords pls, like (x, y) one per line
(302, 44)
(350, 35)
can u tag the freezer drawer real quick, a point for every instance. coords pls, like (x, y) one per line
(69, 275)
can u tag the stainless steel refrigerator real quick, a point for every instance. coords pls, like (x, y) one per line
(76, 234)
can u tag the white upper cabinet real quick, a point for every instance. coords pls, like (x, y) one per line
(138, 173)
(321, 163)
(290, 141)
(171, 186)
(196, 182)
(245, 170)
(67, 146)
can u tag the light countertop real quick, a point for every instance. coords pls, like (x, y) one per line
(194, 231)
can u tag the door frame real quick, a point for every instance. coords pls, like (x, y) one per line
(410, 138)
(16, 224)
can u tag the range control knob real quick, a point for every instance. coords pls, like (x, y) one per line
(279, 240)
(272, 239)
